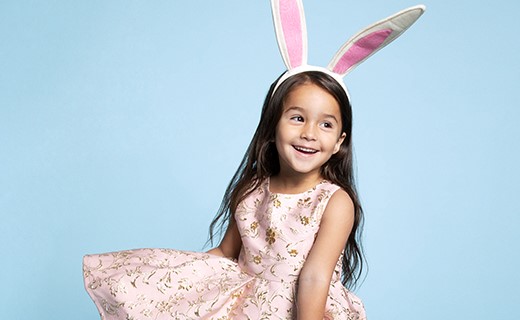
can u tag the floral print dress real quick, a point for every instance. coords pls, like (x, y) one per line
(277, 231)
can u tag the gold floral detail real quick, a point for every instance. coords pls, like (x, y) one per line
(117, 287)
(147, 313)
(184, 285)
(270, 235)
(322, 195)
(304, 220)
(237, 294)
(304, 203)
(254, 226)
(276, 202)
(257, 259)
(293, 252)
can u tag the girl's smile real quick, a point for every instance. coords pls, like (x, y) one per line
(309, 131)
(305, 150)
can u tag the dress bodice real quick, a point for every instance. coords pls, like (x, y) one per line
(278, 230)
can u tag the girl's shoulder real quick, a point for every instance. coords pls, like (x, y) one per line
(331, 186)
(334, 197)
(335, 194)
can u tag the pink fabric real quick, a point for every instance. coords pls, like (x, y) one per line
(292, 31)
(277, 232)
(361, 49)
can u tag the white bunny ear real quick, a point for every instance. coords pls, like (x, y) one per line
(291, 31)
(371, 39)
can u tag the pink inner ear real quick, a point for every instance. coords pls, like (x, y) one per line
(361, 49)
(292, 31)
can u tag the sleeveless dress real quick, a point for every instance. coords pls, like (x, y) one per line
(277, 231)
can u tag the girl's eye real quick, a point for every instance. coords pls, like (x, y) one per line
(297, 118)
(327, 125)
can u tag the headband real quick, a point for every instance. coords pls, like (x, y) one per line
(291, 35)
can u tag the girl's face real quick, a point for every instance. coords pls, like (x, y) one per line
(309, 131)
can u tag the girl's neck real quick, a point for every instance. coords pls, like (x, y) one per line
(293, 184)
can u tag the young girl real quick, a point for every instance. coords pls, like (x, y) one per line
(296, 211)
(291, 211)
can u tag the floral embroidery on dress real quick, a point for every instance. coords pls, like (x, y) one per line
(304, 220)
(293, 252)
(270, 235)
(276, 201)
(304, 203)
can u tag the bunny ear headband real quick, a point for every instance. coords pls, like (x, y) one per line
(291, 34)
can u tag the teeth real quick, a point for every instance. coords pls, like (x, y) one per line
(308, 150)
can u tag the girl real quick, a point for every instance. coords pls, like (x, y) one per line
(297, 214)
(291, 211)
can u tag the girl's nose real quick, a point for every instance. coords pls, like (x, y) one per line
(308, 132)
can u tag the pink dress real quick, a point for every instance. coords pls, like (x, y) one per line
(277, 233)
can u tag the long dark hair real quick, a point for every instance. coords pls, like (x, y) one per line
(261, 161)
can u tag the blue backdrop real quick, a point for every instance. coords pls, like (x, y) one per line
(121, 123)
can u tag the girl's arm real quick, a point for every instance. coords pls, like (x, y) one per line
(316, 274)
(231, 243)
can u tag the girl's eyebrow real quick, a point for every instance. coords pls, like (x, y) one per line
(294, 108)
(300, 109)
(333, 117)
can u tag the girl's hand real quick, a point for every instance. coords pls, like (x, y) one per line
(315, 277)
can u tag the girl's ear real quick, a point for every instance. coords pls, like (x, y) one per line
(339, 142)
(372, 39)
(291, 31)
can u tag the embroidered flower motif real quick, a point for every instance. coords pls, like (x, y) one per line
(237, 294)
(276, 202)
(322, 195)
(257, 259)
(304, 203)
(270, 235)
(184, 284)
(304, 220)
(293, 252)
(254, 226)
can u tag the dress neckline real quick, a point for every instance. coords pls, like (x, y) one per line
(268, 188)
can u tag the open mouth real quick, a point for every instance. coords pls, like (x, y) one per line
(305, 150)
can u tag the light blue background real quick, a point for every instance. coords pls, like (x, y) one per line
(121, 123)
